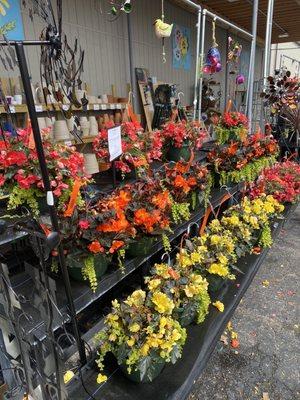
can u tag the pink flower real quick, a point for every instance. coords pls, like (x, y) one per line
(84, 224)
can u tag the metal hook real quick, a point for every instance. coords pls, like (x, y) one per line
(180, 94)
(189, 227)
(225, 187)
(169, 258)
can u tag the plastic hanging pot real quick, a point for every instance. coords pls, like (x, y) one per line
(154, 369)
(76, 263)
(182, 153)
(141, 247)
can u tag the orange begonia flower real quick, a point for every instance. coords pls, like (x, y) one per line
(162, 200)
(116, 245)
(95, 247)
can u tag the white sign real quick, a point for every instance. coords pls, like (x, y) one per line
(103, 106)
(12, 109)
(114, 143)
(38, 108)
(66, 107)
(96, 107)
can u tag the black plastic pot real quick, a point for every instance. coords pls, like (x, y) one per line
(76, 263)
(141, 247)
(156, 368)
(177, 154)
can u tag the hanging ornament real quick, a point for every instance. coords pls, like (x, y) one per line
(240, 79)
(163, 30)
(234, 51)
(213, 57)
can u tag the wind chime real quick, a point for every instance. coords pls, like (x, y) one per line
(213, 57)
(233, 60)
(163, 30)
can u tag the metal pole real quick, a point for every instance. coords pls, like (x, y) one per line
(201, 63)
(197, 72)
(131, 63)
(268, 40)
(50, 200)
(252, 64)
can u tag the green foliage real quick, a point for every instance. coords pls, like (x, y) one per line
(22, 197)
(10, 26)
(249, 172)
(203, 306)
(265, 239)
(180, 212)
(166, 243)
(89, 273)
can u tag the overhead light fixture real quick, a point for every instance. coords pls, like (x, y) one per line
(232, 1)
(283, 35)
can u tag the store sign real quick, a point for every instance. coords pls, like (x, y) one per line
(11, 23)
(114, 143)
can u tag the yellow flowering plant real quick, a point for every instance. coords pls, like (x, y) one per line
(141, 334)
(187, 290)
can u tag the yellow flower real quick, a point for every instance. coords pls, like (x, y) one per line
(223, 260)
(218, 269)
(135, 327)
(219, 305)
(101, 378)
(145, 350)
(153, 284)
(137, 298)
(112, 337)
(130, 342)
(162, 270)
(176, 335)
(215, 239)
(215, 225)
(269, 208)
(162, 303)
(115, 304)
(196, 257)
(254, 222)
(68, 376)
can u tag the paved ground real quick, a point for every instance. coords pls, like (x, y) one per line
(266, 366)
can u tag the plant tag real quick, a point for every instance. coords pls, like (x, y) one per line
(114, 143)
(65, 107)
(38, 108)
(96, 107)
(12, 109)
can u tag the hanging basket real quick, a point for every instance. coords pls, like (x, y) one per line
(141, 247)
(154, 369)
(76, 263)
(183, 153)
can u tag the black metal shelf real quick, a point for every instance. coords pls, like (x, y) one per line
(175, 382)
(82, 294)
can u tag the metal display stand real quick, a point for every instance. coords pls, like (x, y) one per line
(22, 62)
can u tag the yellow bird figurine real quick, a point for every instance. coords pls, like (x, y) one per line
(3, 4)
(162, 29)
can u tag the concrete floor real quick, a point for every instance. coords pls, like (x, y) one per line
(266, 366)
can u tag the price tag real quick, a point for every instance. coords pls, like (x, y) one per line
(65, 107)
(38, 108)
(96, 107)
(114, 143)
(103, 106)
(12, 109)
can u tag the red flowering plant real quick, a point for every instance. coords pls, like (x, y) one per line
(139, 148)
(20, 174)
(182, 135)
(232, 126)
(282, 181)
(187, 182)
(243, 161)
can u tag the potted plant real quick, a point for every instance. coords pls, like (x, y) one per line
(142, 335)
(20, 174)
(282, 181)
(232, 126)
(181, 139)
(187, 289)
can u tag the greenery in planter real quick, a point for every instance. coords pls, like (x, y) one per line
(20, 174)
(244, 160)
(140, 332)
(232, 126)
(181, 139)
(187, 289)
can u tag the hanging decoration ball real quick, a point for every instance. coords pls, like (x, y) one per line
(213, 61)
(218, 67)
(240, 79)
(127, 7)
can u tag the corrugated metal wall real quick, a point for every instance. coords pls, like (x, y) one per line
(106, 45)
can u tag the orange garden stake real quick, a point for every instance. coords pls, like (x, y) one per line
(73, 198)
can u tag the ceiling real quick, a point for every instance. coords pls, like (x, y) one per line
(286, 16)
